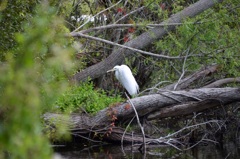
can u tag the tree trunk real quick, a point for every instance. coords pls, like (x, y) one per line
(188, 101)
(142, 41)
(164, 104)
(106, 124)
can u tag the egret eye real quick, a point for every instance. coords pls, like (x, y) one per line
(125, 77)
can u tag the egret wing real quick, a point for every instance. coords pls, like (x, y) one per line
(128, 81)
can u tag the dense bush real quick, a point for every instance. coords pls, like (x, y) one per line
(84, 98)
(32, 77)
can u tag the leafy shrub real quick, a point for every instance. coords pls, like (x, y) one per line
(85, 98)
(32, 77)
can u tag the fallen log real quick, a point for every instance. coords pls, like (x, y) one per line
(191, 79)
(107, 123)
(148, 104)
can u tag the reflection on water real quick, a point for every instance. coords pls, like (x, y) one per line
(227, 151)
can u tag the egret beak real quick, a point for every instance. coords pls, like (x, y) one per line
(110, 70)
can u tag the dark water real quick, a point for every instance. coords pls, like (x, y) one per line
(211, 151)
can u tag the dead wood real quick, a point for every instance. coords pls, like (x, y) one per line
(165, 104)
(106, 124)
(194, 99)
(222, 82)
(142, 41)
(184, 109)
(193, 78)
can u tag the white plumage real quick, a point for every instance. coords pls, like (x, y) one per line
(125, 77)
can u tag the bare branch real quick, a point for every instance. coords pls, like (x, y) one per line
(97, 15)
(78, 34)
(147, 107)
(142, 41)
(189, 127)
(183, 109)
(112, 26)
(125, 133)
(139, 123)
(187, 81)
(183, 69)
(221, 82)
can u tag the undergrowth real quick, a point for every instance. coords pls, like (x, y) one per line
(84, 98)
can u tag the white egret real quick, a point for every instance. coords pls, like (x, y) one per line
(125, 77)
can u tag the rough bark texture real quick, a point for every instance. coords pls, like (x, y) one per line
(187, 81)
(221, 82)
(188, 101)
(142, 41)
(165, 104)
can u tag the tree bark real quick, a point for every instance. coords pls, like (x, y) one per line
(221, 82)
(164, 104)
(189, 100)
(142, 41)
(198, 75)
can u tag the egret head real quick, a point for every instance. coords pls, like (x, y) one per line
(115, 68)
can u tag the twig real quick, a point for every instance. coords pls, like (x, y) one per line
(87, 138)
(97, 15)
(139, 123)
(169, 143)
(203, 139)
(124, 135)
(189, 127)
(154, 87)
(132, 12)
(130, 25)
(77, 34)
(228, 155)
(183, 69)
(196, 143)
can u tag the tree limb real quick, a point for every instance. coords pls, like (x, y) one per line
(221, 82)
(79, 34)
(145, 105)
(112, 26)
(143, 40)
(97, 15)
(187, 81)
(183, 109)
(150, 107)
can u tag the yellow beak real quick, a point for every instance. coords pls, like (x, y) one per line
(110, 70)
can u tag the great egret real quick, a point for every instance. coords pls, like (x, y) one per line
(125, 77)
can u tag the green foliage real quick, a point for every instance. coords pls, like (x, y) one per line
(36, 61)
(32, 78)
(214, 40)
(13, 13)
(84, 97)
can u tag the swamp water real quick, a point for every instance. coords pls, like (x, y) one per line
(227, 151)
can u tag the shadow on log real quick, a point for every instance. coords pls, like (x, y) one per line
(140, 42)
(171, 101)
(107, 123)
